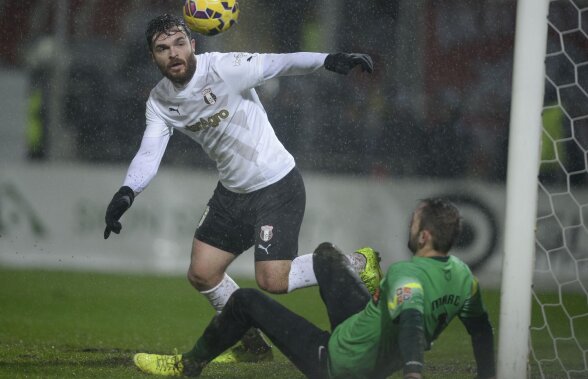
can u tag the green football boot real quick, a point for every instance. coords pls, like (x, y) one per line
(372, 274)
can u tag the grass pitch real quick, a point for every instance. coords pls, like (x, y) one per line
(88, 325)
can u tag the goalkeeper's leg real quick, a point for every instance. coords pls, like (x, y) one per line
(300, 341)
(206, 260)
(341, 289)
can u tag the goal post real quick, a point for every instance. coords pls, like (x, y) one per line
(521, 188)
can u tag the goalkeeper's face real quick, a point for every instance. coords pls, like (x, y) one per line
(173, 52)
(413, 234)
(416, 237)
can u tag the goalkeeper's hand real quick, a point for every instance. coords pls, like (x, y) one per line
(342, 63)
(121, 201)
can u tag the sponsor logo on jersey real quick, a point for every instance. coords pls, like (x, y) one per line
(266, 233)
(402, 294)
(237, 58)
(209, 122)
(209, 97)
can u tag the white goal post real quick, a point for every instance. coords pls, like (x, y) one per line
(521, 188)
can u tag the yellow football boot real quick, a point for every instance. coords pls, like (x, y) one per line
(238, 353)
(372, 274)
(166, 365)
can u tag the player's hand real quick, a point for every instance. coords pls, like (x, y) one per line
(342, 63)
(121, 201)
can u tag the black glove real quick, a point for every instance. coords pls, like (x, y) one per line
(342, 63)
(121, 201)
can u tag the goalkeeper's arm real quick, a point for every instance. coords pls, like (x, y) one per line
(411, 341)
(482, 336)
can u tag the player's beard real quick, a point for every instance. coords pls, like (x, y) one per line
(182, 78)
(413, 243)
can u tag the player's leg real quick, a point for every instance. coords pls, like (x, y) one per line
(277, 212)
(341, 289)
(298, 339)
(279, 268)
(272, 276)
(220, 237)
(218, 240)
(206, 273)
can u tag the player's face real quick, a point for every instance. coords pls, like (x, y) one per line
(174, 55)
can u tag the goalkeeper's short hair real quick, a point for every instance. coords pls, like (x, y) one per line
(443, 220)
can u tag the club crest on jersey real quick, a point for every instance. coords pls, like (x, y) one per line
(209, 97)
(266, 233)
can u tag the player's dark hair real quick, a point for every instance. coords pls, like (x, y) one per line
(442, 219)
(163, 24)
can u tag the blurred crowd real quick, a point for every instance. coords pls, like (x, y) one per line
(436, 106)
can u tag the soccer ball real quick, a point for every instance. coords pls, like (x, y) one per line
(210, 17)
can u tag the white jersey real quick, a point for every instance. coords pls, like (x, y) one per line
(220, 110)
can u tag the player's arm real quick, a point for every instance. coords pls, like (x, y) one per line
(411, 341)
(304, 63)
(141, 171)
(244, 71)
(475, 319)
(405, 303)
(291, 64)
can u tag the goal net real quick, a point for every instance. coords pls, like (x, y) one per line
(559, 313)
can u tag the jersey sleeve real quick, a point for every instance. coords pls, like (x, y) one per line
(473, 306)
(476, 321)
(146, 162)
(155, 126)
(404, 292)
(291, 64)
(244, 71)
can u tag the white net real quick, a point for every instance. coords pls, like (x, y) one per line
(559, 325)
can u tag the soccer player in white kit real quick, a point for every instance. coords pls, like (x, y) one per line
(260, 197)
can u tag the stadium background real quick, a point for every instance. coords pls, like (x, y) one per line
(431, 120)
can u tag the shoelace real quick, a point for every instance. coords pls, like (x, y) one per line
(171, 363)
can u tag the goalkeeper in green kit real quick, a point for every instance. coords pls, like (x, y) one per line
(373, 335)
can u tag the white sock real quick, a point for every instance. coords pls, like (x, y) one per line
(302, 270)
(219, 295)
(301, 273)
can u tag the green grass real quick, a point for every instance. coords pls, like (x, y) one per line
(88, 325)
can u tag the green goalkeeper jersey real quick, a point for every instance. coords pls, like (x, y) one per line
(366, 344)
